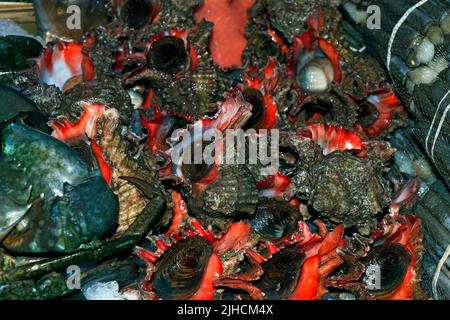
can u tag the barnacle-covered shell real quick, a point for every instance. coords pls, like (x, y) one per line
(297, 153)
(349, 190)
(180, 272)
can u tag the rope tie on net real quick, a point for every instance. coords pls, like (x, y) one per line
(438, 271)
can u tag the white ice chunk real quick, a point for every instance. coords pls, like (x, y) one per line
(102, 291)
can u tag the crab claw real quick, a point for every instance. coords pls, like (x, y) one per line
(147, 189)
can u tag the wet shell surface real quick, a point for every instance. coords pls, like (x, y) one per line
(274, 218)
(180, 272)
(281, 274)
(64, 214)
(391, 261)
(232, 195)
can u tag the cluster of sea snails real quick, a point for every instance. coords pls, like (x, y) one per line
(87, 126)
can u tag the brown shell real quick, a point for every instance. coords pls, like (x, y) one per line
(232, 195)
(274, 218)
(180, 272)
(131, 200)
(349, 190)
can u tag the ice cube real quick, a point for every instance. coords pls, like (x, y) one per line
(102, 291)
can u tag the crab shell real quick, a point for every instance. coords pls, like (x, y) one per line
(64, 214)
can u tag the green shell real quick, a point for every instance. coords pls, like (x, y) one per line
(72, 203)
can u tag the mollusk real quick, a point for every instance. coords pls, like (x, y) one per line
(63, 62)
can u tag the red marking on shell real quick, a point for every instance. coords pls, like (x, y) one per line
(322, 258)
(332, 241)
(408, 195)
(105, 169)
(270, 113)
(156, 136)
(326, 242)
(332, 138)
(256, 256)
(159, 126)
(232, 111)
(146, 255)
(235, 238)
(179, 214)
(320, 251)
(279, 40)
(203, 184)
(405, 230)
(302, 238)
(64, 61)
(386, 103)
(274, 186)
(232, 115)
(265, 86)
(213, 271)
(406, 290)
(148, 102)
(333, 55)
(84, 126)
(228, 39)
(308, 284)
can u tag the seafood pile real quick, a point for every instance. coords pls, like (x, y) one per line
(90, 123)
